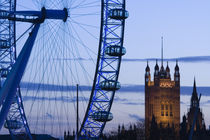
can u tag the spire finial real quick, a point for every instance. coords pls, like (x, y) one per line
(162, 51)
(147, 68)
(194, 87)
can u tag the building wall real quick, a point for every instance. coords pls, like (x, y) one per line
(162, 99)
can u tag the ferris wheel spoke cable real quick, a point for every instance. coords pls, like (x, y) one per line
(78, 40)
(82, 4)
(59, 82)
(65, 78)
(49, 52)
(80, 62)
(75, 16)
(83, 24)
(41, 80)
(87, 31)
(55, 66)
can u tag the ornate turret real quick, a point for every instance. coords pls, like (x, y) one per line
(156, 68)
(147, 74)
(177, 75)
(156, 74)
(168, 76)
(162, 72)
(194, 98)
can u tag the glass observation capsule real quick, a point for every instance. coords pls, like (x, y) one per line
(4, 44)
(102, 116)
(118, 14)
(115, 50)
(13, 124)
(109, 85)
(4, 72)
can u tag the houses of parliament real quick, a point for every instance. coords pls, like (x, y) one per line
(162, 97)
(162, 102)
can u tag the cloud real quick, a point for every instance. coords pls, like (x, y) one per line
(180, 59)
(128, 102)
(205, 103)
(185, 90)
(71, 59)
(60, 98)
(48, 115)
(51, 87)
(136, 117)
(118, 99)
(181, 102)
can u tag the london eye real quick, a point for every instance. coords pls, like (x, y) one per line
(45, 51)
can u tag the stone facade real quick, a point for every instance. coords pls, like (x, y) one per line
(162, 98)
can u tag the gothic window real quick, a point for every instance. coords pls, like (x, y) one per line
(166, 107)
(166, 113)
(162, 109)
(194, 103)
(171, 113)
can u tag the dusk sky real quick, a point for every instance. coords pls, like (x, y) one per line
(185, 27)
(183, 24)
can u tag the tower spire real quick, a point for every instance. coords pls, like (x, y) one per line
(194, 87)
(162, 51)
(194, 98)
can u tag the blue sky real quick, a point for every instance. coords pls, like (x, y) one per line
(185, 26)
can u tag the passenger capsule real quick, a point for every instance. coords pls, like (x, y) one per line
(109, 85)
(13, 124)
(4, 44)
(102, 116)
(115, 50)
(4, 72)
(118, 14)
